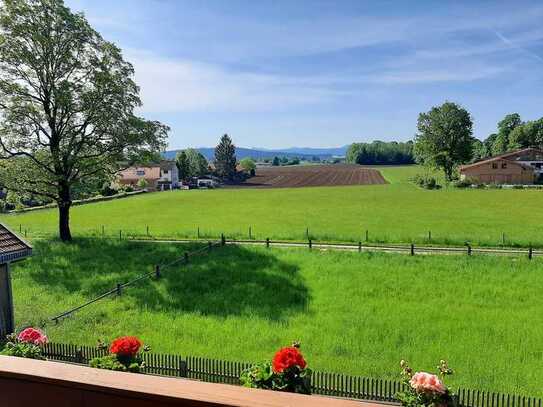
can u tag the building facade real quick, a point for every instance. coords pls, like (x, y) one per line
(522, 167)
(161, 176)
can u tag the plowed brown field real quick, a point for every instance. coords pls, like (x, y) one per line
(313, 176)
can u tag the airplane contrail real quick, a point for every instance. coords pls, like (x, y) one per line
(516, 46)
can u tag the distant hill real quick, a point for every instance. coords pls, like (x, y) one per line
(260, 154)
(333, 151)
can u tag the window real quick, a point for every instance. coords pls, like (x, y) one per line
(495, 166)
(504, 165)
(140, 172)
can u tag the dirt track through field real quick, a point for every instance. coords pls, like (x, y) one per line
(313, 176)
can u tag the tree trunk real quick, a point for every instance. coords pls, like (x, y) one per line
(64, 204)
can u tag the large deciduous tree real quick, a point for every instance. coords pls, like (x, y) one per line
(505, 127)
(225, 158)
(67, 101)
(445, 138)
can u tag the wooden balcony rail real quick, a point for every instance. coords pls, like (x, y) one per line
(25, 382)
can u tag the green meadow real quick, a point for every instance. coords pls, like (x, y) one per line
(354, 313)
(395, 212)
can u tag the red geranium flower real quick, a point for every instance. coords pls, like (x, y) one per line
(126, 346)
(33, 336)
(288, 357)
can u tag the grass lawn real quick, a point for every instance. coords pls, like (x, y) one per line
(354, 313)
(396, 212)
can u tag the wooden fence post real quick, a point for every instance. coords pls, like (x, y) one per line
(119, 288)
(157, 271)
(359, 247)
(530, 253)
(78, 358)
(412, 249)
(223, 240)
(503, 239)
(198, 232)
(209, 245)
(147, 230)
(183, 370)
(186, 257)
(250, 233)
(310, 244)
(307, 233)
(103, 231)
(429, 236)
(469, 249)
(267, 242)
(367, 235)
(120, 235)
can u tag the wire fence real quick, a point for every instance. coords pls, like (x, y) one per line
(491, 240)
(411, 249)
(322, 383)
(156, 273)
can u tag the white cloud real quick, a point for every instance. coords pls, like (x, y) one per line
(169, 85)
(459, 74)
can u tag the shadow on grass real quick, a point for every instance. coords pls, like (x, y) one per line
(232, 280)
(93, 266)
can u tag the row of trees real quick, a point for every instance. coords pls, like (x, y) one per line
(444, 139)
(512, 134)
(285, 161)
(380, 152)
(191, 163)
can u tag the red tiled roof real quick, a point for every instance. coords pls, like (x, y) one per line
(503, 157)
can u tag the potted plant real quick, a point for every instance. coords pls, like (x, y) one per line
(125, 355)
(287, 371)
(28, 344)
(425, 389)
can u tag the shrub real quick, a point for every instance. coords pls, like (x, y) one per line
(425, 389)
(142, 183)
(464, 183)
(125, 355)
(107, 190)
(425, 181)
(28, 344)
(286, 372)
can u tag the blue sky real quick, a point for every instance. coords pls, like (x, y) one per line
(278, 74)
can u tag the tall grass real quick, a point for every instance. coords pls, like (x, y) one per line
(354, 313)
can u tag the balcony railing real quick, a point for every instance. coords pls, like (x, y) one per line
(25, 382)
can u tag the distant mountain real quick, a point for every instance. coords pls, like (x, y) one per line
(260, 154)
(333, 151)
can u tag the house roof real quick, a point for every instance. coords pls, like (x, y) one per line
(167, 165)
(505, 157)
(12, 247)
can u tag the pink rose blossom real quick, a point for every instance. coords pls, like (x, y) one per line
(424, 382)
(33, 336)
